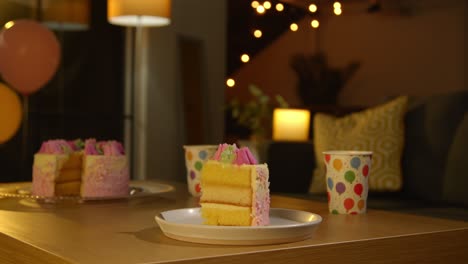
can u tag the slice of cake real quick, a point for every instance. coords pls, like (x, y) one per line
(235, 190)
(74, 168)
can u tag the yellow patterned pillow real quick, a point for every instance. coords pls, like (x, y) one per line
(379, 129)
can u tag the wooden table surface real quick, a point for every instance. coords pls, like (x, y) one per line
(124, 231)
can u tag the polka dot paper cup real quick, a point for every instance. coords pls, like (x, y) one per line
(195, 158)
(347, 180)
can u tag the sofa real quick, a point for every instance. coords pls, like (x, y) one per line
(434, 162)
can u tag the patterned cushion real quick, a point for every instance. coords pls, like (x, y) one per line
(379, 129)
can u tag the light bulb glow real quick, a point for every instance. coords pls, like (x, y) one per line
(279, 7)
(315, 23)
(258, 33)
(294, 27)
(9, 24)
(336, 5)
(337, 11)
(267, 5)
(255, 4)
(245, 58)
(230, 82)
(313, 8)
(260, 9)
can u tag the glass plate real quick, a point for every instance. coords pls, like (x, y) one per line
(286, 226)
(136, 189)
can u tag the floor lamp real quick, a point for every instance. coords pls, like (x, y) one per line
(137, 14)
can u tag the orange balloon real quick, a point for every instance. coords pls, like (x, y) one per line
(10, 113)
(361, 204)
(337, 164)
(29, 55)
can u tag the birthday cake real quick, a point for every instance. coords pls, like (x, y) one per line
(235, 189)
(77, 168)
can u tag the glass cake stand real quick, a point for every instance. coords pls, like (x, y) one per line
(136, 189)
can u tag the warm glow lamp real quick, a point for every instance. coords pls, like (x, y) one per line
(291, 124)
(66, 15)
(137, 14)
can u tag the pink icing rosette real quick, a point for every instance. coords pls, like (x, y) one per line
(112, 148)
(90, 147)
(231, 154)
(76, 145)
(244, 156)
(55, 146)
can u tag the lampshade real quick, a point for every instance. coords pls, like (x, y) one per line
(150, 13)
(66, 14)
(291, 124)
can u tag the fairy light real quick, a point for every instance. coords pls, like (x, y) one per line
(245, 58)
(258, 33)
(279, 7)
(337, 5)
(255, 4)
(315, 23)
(260, 9)
(230, 82)
(337, 11)
(313, 8)
(294, 27)
(9, 24)
(267, 5)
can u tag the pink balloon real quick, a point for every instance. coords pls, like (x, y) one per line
(29, 55)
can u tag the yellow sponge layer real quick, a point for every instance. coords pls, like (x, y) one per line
(67, 175)
(226, 215)
(74, 161)
(68, 188)
(226, 174)
(213, 193)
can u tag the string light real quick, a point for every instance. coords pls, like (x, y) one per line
(313, 8)
(245, 58)
(267, 5)
(337, 5)
(258, 33)
(9, 24)
(260, 9)
(315, 23)
(255, 4)
(294, 27)
(337, 11)
(279, 7)
(230, 82)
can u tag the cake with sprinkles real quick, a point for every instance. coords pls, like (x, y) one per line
(80, 168)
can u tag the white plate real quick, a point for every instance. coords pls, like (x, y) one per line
(285, 226)
(136, 189)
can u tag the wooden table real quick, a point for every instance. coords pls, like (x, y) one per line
(124, 231)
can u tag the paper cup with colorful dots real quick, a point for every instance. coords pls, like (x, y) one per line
(195, 158)
(347, 180)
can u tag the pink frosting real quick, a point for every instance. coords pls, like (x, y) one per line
(261, 199)
(101, 178)
(56, 146)
(76, 145)
(221, 148)
(231, 154)
(90, 147)
(244, 156)
(113, 148)
(106, 148)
